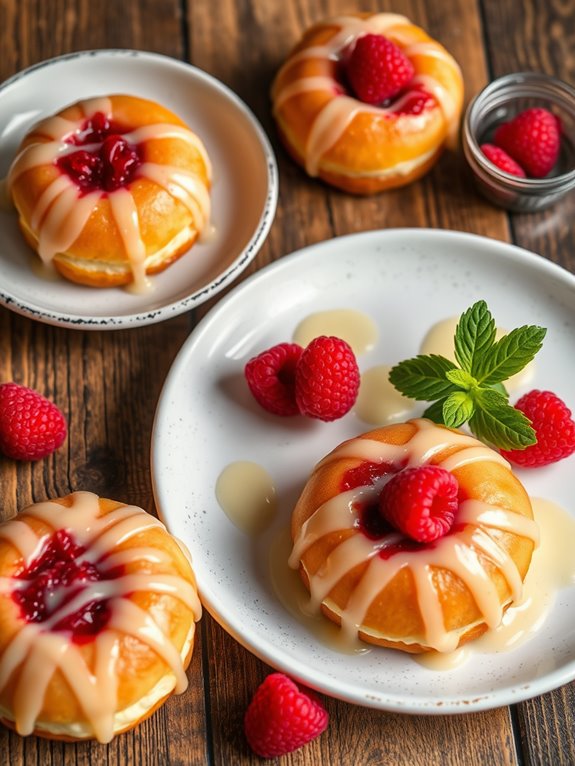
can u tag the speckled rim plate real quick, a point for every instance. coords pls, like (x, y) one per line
(406, 280)
(244, 193)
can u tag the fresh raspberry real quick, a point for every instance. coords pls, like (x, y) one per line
(31, 426)
(421, 502)
(533, 139)
(326, 379)
(553, 425)
(281, 718)
(502, 160)
(377, 69)
(271, 378)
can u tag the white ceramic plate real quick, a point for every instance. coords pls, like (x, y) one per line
(406, 280)
(244, 193)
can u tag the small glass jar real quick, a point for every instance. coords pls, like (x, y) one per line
(501, 101)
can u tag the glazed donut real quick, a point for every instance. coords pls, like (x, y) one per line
(111, 189)
(98, 604)
(350, 144)
(389, 590)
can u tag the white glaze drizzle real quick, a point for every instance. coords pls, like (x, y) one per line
(61, 212)
(333, 119)
(458, 552)
(38, 651)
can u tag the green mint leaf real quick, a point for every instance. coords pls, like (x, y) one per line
(461, 379)
(423, 377)
(474, 336)
(510, 354)
(458, 408)
(495, 421)
(500, 388)
(435, 412)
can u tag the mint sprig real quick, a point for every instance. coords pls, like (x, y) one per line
(474, 392)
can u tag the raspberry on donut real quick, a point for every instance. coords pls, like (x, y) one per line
(393, 569)
(367, 101)
(111, 189)
(98, 604)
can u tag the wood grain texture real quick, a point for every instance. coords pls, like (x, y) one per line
(108, 383)
(515, 44)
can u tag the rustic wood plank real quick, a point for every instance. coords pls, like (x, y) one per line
(516, 43)
(94, 376)
(107, 383)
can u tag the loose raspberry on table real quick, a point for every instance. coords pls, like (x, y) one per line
(533, 139)
(421, 502)
(281, 718)
(377, 69)
(502, 160)
(554, 428)
(31, 426)
(271, 378)
(326, 379)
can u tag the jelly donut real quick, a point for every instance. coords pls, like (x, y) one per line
(97, 617)
(355, 146)
(111, 189)
(384, 587)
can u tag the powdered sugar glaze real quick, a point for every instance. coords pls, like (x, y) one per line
(37, 651)
(460, 551)
(61, 212)
(334, 118)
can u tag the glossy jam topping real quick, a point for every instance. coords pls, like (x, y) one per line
(94, 130)
(364, 474)
(110, 166)
(51, 580)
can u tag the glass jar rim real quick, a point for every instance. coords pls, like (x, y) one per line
(499, 86)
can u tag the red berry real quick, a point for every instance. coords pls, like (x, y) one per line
(377, 69)
(271, 378)
(326, 379)
(502, 160)
(420, 502)
(280, 718)
(533, 139)
(31, 426)
(553, 425)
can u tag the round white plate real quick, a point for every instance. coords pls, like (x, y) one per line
(244, 192)
(406, 280)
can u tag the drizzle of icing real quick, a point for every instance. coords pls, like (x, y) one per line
(459, 552)
(337, 114)
(39, 649)
(61, 212)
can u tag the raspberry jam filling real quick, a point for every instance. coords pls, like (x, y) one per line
(109, 166)
(53, 579)
(375, 526)
(412, 530)
(365, 474)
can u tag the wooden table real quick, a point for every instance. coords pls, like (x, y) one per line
(108, 383)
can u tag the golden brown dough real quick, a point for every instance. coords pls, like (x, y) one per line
(98, 604)
(354, 146)
(111, 189)
(417, 596)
